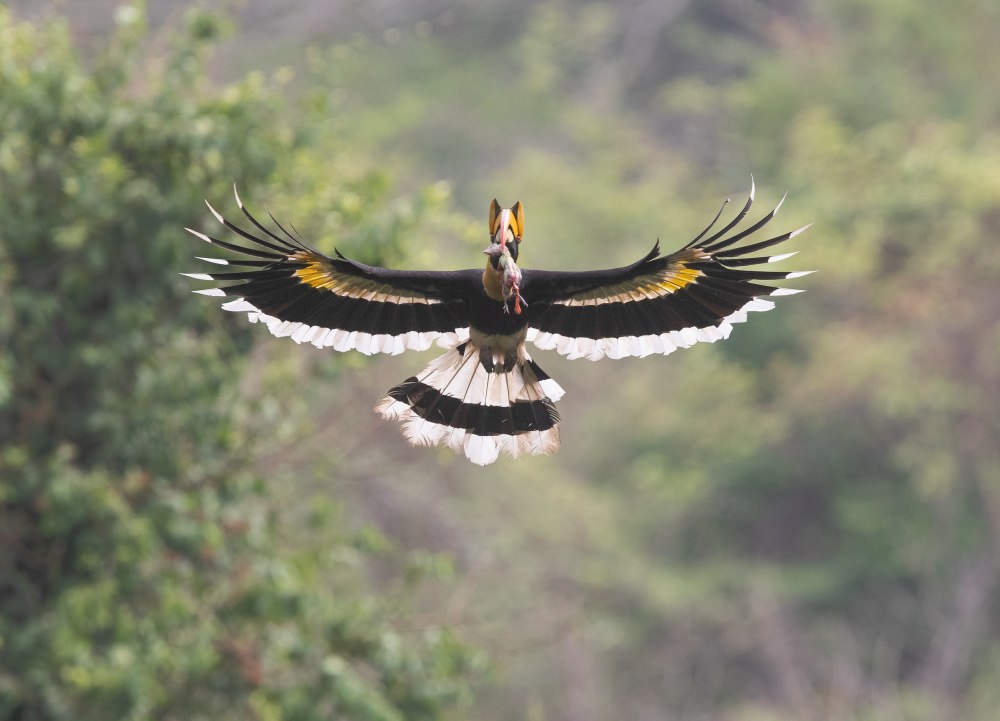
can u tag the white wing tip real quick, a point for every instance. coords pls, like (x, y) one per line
(785, 291)
(778, 207)
(196, 234)
(800, 230)
(757, 305)
(217, 261)
(198, 276)
(240, 304)
(783, 256)
(236, 193)
(215, 213)
(799, 274)
(211, 291)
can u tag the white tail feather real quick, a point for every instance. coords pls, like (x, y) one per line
(434, 406)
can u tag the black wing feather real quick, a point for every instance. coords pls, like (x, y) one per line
(338, 302)
(658, 303)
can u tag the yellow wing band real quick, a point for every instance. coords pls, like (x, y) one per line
(319, 275)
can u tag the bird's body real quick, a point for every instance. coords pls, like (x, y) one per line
(486, 395)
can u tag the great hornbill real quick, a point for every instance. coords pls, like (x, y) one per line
(486, 394)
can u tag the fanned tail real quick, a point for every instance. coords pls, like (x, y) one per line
(480, 402)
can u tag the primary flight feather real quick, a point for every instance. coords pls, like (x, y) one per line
(485, 394)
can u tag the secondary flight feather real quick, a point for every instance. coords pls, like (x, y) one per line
(486, 395)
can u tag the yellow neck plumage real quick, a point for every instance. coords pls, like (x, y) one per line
(491, 282)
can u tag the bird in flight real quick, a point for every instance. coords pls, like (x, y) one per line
(485, 394)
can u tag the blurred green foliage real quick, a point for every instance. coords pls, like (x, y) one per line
(142, 573)
(802, 522)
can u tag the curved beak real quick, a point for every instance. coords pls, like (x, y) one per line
(502, 225)
(498, 245)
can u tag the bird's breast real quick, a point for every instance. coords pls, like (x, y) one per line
(487, 316)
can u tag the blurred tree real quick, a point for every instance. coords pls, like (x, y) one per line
(141, 572)
(801, 522)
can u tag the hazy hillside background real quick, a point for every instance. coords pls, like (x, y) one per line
(200, 521)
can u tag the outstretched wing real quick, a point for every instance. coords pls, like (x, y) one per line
(657, 304)
(336, 302)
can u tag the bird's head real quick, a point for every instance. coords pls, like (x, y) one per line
(506, 228)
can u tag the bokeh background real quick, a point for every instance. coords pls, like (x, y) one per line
(200, 521)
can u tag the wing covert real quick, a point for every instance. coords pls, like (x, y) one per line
(335, 302)
(659, 303)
